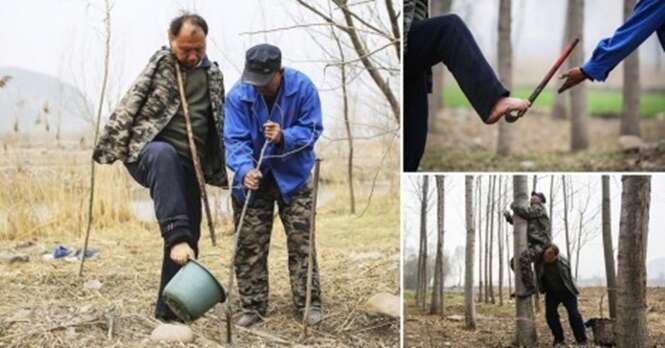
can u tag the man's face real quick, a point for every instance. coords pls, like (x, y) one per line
(535, 199)
(271, 89)
(189, 46)
(549, 255)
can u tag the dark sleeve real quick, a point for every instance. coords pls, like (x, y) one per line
(528, 212)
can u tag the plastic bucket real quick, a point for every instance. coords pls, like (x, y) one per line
(193, 291)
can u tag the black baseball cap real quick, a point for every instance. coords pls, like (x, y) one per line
(261, 63)
(540, 195)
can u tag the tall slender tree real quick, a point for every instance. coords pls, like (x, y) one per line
(421, 290)
(630, 119)
(491, 238)
(525, 329)
(487, 240)
(610, 274)
(469, 307)
(499, 237)
(480, 240)
(505, 53)
(437, 291)
(579, 135)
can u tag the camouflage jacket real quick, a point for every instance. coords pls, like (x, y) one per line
(147, 108)
(563, 267)
(539, 229)
(414, 11)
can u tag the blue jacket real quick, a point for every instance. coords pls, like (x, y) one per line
(648, 16)
(298, 111)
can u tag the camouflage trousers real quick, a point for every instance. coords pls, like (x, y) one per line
(251, 263)
(529, 255)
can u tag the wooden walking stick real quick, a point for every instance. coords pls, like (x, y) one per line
(241, 219)
(312, 245)
(195, 156)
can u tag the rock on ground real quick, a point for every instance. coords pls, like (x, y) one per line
(385, 304)
(172, 333)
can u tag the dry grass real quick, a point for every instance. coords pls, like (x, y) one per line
(495, 324)
(45, 303)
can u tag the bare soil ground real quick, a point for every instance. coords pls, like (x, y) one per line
(463, 143)
(495, 324)
(45, 304)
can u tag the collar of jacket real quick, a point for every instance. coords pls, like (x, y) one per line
(290, 88)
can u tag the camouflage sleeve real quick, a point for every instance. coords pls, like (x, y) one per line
(409, 11)
(114, 139)
(528, 212)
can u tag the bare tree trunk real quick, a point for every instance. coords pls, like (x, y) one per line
(469, 307)
(607, 247)
(491, 258)
(437, 291)
(565, 216)
(487, 240)
(579, 135)
(631, 319)
(421, 292)
(507, 236)
(525, 329)
(551, 197)
(505, 52)
(347, 121)
(630, 120)
(480, 240)
(559, 108)
(536, 298)
(499, 236)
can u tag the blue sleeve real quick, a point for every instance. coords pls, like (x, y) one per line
(308, 125)
(237, 138)
(648, 16)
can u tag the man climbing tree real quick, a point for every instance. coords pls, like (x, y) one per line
(539, 236)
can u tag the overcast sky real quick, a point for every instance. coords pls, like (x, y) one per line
(64, 39)
(591, 259)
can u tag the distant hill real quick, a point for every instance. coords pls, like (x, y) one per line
(28, 92)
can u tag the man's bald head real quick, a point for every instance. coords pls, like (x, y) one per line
(187, 35)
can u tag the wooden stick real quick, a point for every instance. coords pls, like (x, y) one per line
(241, 219)
(195, 155)
(312, 245)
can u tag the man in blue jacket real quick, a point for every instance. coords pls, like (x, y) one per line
(281, 106)
(648, 17)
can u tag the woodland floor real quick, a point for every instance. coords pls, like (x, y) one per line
(495, 323)
(461, 142)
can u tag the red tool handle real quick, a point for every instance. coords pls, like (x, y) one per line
(510, 118)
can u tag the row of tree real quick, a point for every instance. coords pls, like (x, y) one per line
(571, 105)
(626, 288)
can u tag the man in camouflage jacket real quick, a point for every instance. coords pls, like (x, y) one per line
(147, 132)
(444, 39)
(539, 236)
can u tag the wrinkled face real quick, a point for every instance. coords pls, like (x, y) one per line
(189, 46)
(549, 255)
(271, 89)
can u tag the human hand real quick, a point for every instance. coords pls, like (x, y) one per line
(181, 253)
(252, 179)
(273, 132)
(505, 106)
(573, 77)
